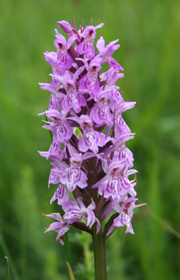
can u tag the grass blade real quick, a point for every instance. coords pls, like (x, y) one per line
(71, 276)
(7, 260)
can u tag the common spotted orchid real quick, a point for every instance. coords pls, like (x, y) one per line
(90, 161)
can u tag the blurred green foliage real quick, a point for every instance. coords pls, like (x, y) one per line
(149, 36)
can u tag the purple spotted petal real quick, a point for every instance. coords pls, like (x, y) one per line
(61, 194)
(91, 140)
(74, 177)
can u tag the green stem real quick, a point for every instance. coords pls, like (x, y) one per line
(99, 256)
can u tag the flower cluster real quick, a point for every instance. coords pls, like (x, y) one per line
(90, 161)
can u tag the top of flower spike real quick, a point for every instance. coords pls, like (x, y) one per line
(85, 37)
(67, 28)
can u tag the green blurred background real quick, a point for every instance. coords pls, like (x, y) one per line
(149, 36)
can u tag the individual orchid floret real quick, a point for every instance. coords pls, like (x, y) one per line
(90, 139)
(87, 47)
(73, 98)
(90, 82)
(122, 220)
(73, 175)
(64, 59)
(77, 211)
(118, 142)
(69, 175)
(116, 96)
(56, 96)
(125, 215)
(106, 53)
(59, 226)
(59, 126)
(124, 154)
(56, 171)
(110, 77)
(115, 184)
(55, 152)
(120, 125)
(100, 112)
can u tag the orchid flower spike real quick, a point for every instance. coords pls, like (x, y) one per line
(91, 165)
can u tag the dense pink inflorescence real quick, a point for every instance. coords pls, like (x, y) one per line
(88, 154)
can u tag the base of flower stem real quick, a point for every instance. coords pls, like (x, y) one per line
(99, 256)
